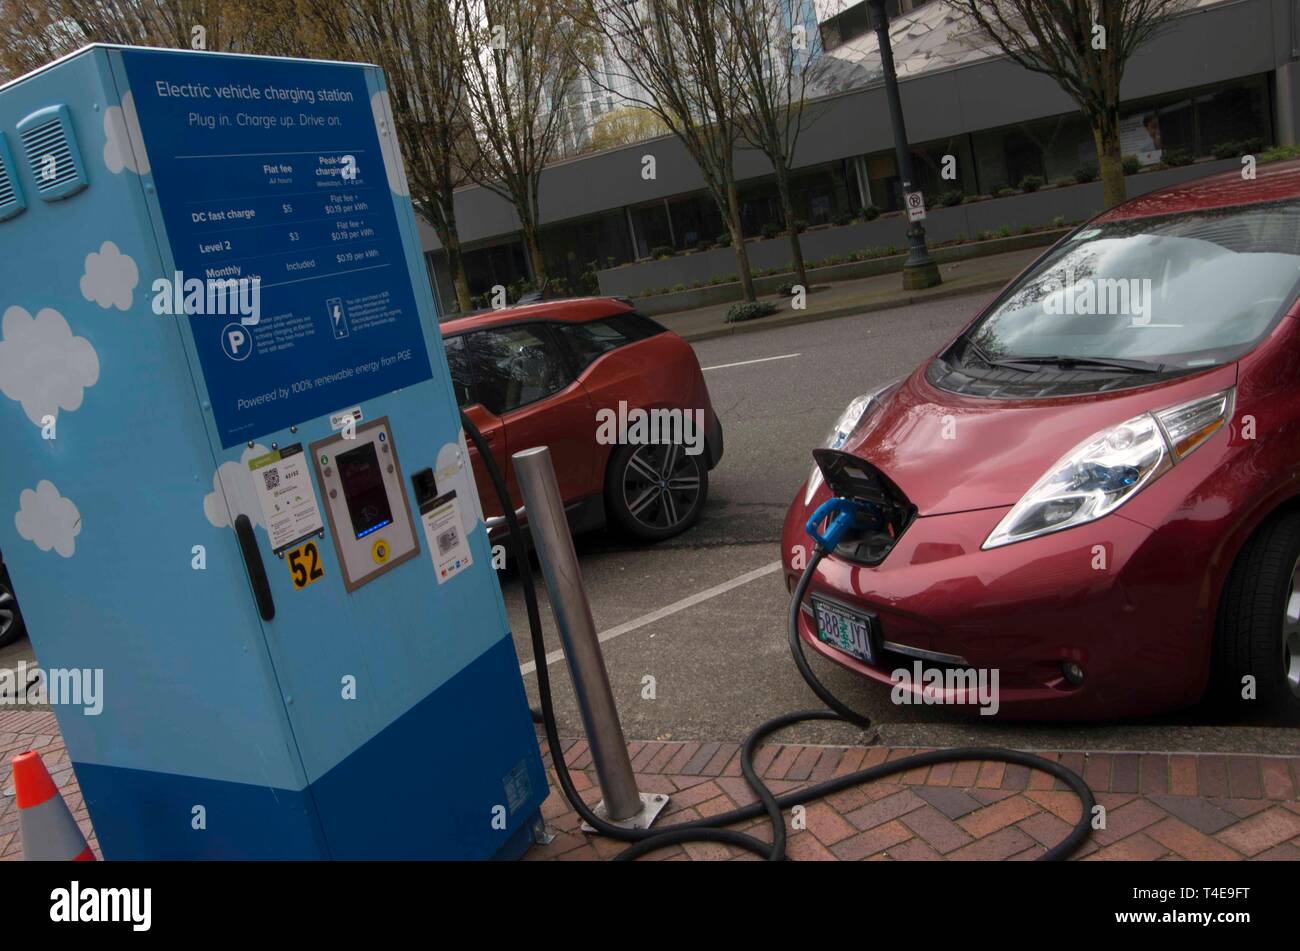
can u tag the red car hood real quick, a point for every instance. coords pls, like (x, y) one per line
(951, 453)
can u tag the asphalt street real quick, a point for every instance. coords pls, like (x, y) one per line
(694, 629)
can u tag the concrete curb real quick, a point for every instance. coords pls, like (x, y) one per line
(772, 323)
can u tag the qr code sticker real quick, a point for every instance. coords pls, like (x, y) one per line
(272, 477)
(447, 541)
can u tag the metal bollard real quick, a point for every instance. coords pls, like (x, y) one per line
(622, 804)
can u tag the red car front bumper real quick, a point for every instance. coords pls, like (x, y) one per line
(1112, 597)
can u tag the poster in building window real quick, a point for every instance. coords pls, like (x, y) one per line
(1139, 134)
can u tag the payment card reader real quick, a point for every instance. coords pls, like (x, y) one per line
(369, 516)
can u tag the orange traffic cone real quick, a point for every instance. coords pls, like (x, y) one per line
(49, 832)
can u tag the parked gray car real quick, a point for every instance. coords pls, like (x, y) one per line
(11, 619)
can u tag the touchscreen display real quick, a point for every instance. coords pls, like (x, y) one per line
(363, 488)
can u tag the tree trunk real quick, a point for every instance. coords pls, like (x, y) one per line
(787, 209)
(535, 258)
(738, 242)
(460, 280)
(1110, 161)
(456, 264)
(445, 229)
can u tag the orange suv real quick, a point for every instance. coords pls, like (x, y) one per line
(620, 401)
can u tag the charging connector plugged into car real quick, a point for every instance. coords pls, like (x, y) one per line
(842, 516)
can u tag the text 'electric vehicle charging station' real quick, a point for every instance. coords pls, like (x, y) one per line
(219, 338)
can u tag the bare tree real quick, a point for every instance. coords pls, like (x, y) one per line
(1084, 45)
(779, 55)
(520, 59)
(33, 34)
(680, 59)
(415, 41)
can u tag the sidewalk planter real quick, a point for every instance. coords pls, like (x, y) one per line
(1034, 209)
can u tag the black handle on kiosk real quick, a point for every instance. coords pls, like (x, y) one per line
(256, 571)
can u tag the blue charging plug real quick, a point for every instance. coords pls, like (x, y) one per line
(842, 513)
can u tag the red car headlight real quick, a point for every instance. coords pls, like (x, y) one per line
(1109, 468)
(843, 429)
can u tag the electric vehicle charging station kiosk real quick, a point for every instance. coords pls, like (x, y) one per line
(303, 646)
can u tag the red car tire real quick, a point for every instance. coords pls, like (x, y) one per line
(1258, 625)
(654, 492)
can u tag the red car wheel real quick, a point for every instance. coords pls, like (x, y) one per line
(656, 492)
(11, 619)
(1258, 632)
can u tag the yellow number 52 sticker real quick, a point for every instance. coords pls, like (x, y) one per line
(304, 565)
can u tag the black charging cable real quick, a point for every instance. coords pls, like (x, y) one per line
(711, 828)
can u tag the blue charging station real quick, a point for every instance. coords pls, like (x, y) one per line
(248, 504)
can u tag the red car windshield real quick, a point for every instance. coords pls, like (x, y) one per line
(1179, 292)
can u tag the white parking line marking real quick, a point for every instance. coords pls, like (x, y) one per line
(661, 613)
(745, 363)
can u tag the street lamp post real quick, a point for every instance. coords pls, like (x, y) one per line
(920, 270)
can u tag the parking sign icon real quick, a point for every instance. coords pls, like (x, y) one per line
(236, 342)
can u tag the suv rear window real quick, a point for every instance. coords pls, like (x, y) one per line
(636, 326)
(588, 340)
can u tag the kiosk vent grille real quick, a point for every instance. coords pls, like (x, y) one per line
(11, 194)
(52, 156)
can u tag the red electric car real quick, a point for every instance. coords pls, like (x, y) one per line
(1095, 488)
(577, 375)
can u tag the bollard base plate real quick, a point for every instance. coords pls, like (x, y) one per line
(651, 805)
(542, 835)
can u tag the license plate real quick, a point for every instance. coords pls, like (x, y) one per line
(844, 630)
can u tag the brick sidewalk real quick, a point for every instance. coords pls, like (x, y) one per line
(26, 730)
(1158, 805)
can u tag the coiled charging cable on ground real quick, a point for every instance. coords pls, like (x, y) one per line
(712, 828)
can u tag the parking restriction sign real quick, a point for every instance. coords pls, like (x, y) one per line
(915, 206)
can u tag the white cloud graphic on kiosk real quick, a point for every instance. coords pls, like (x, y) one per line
(124, 145)
(43, 365)
(110, 277)
(233, 493)
(47, 519)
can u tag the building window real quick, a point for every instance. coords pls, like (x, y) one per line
(856, 21)
(849, 25)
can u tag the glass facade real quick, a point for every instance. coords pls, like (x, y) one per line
(819, 195)
(499, 264)
(695, 219)
(1195, 122)
(575, 248)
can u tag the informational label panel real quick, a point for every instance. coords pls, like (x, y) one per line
(444, 534)
(290, 264)
(284, 489)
